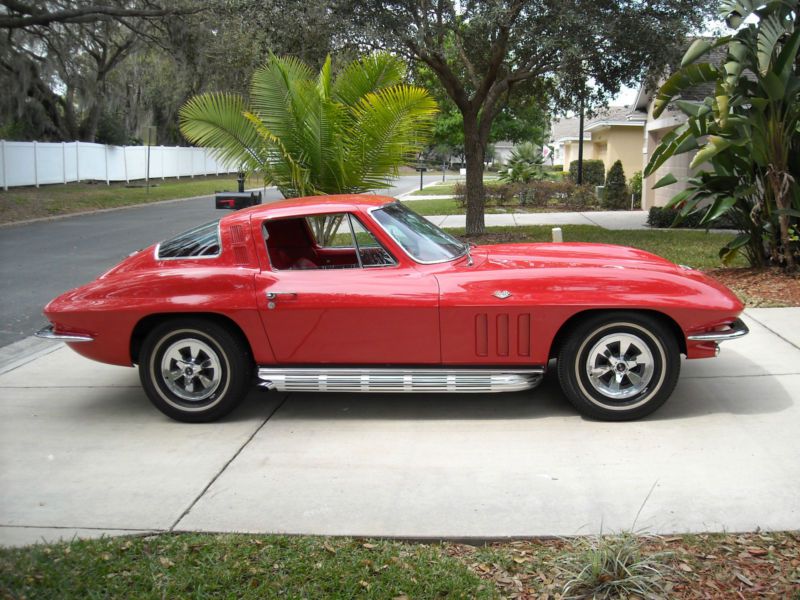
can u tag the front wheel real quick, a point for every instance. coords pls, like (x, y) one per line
(618, 366)
(194, 370)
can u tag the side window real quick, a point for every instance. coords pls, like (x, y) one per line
(372, 253)
(330, 241)
(330, 231)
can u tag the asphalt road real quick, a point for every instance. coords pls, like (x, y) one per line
(39, 261)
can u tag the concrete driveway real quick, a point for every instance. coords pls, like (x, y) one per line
(83, 453)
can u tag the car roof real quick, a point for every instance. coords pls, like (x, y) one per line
(311, 204)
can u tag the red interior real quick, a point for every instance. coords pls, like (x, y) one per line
(291, 246)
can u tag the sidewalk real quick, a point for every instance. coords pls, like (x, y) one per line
(614, 219)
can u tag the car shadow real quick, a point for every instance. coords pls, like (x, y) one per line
(694, 397)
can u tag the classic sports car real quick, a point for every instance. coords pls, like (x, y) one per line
(361, 294)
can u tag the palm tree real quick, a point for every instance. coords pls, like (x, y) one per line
(313, 134)
(524, 165)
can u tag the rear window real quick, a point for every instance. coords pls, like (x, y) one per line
(195, 243)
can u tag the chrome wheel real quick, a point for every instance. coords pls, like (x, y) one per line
(191, 369)
(620, 366)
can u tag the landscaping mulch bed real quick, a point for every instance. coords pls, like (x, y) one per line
(761, 287)
(749, 565)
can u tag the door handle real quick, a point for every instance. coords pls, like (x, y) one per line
(274, 295)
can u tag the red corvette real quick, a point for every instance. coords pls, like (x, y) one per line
(360, 294)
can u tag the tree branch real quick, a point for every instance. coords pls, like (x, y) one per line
(86, 14)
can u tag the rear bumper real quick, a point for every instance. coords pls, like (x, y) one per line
(735, 330)
(47, 333)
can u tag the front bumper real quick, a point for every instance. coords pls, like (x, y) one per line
(47, 333)
(735, 330)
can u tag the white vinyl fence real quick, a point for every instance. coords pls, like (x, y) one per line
(39, 163)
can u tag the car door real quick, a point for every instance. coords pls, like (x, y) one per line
(335, 295)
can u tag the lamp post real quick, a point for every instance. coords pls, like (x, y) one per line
(580, 143)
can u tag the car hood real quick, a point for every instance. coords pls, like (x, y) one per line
(568, 255)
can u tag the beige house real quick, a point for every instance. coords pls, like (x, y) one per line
(615, 134)
(656, 129)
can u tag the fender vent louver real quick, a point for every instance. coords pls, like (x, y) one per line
(237, 234)
(240, 255)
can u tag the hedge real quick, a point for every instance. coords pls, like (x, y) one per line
(594, 172)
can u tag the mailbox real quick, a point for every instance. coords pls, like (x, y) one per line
(237, 200)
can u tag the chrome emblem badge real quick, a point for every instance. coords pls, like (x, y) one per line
(502, 294)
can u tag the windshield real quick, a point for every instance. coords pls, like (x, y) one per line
(420, 238)
(197, 242)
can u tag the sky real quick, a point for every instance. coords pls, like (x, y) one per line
(626, 97)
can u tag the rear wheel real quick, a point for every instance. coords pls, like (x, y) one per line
(194, 370)
(618, 366)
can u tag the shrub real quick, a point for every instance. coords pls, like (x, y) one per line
(635, 185)
(501, 194)
(615, 192)
(540, 193)
(581, 197)
(615, 567)
(594, 172)
(661, 218)
(525, 164)
(460, 194)
(557, 194)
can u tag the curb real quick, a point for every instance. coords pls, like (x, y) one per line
(22, 352)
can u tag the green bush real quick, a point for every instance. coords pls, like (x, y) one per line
(662, 218)
(460, 195)
(581, 197)
(635, 185)
(501, 194)
(615, 192)
(594, 172)
(547, 193)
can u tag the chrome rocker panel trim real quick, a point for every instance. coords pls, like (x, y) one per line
(736, 330)
(399, 380)
(47, 333)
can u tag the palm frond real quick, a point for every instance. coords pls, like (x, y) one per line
(216, 121)
(391, 126)
(366, 76)
(285, 171)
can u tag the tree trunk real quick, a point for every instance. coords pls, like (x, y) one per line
(474, 151)
(780, 182)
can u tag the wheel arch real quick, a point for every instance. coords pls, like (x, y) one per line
(150, 322)
(570, 323)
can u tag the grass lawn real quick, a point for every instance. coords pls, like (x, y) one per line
(19, 204)
(440, 189)
(446, 206)
(447, 188)
(259, 566)
(697, 249)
